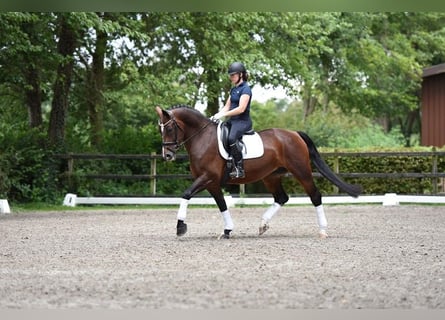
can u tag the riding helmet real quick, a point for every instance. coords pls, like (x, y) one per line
(236, 67)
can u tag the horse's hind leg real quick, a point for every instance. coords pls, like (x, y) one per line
(273, 184)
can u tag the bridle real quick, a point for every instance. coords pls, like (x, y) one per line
(176, 144)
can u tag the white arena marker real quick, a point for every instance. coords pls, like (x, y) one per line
(390, 199)
(4, 206)
(70, 200)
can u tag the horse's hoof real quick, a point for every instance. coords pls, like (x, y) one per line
(263, 228)
(322, 234)
(181, 228)
(225, 234)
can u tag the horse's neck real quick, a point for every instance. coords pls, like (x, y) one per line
(192, 122)
(201, 135)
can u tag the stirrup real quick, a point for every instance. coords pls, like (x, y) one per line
(237, 173)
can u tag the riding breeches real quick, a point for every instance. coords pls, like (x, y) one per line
(237, 129)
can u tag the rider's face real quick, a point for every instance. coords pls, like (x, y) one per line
(234, 78)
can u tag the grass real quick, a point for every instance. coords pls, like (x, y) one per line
(39, 207)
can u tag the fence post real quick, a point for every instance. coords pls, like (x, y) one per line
(336, 170)
(242, 190)
(153, 174)
(434, 179)
(70, 164)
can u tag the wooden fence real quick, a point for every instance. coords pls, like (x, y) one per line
(437, 178)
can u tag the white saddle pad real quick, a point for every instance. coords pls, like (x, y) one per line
(252, 145)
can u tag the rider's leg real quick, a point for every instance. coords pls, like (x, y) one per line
(236, 132)
(237, 156)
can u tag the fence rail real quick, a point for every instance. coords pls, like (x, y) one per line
(434, 174)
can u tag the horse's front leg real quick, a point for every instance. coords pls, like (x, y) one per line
(218, 195)
(201, 183)
(198, 185)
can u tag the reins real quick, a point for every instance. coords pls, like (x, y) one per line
(193, 135)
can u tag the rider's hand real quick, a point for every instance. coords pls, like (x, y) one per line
(217, 116)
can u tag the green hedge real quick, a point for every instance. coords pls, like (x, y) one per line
(31, 174)
(28, 170)
(349, 164)
(81, 185)
(387, 164)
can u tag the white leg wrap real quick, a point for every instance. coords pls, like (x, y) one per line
(228, 223)
(182, 212)
(270, 212)
(322, 222)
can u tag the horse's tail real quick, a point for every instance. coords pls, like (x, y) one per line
(351, 189)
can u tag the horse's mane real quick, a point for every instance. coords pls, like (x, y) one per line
(176, 106)
(183, 106)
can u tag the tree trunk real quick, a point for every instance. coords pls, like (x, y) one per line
(412, 119)
(31, 73)
(309, 102)
(95, 89)
(33, 97)
(59, 107)
(385, 122)
(213, 92)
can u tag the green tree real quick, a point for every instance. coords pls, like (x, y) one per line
(68, 36)
(385, 66)
(27, 63)
(90, 80)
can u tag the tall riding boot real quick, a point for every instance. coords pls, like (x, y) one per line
(238, 169)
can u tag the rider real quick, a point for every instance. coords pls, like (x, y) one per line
(237, 108)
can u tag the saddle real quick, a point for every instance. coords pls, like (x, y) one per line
(250, 143)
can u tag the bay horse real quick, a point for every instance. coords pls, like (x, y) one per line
(284, 151)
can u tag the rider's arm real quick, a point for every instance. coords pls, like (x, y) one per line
(243, 102)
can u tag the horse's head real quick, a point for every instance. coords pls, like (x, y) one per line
(181, 125)
(170, 133)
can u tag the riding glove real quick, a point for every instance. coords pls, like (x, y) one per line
(217, 116)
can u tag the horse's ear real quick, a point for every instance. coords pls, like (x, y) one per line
(161, 113)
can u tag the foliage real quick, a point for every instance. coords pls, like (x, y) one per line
(80, 184)
(27, 170)
(353, 80)
(331, 128)
(370, 164)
